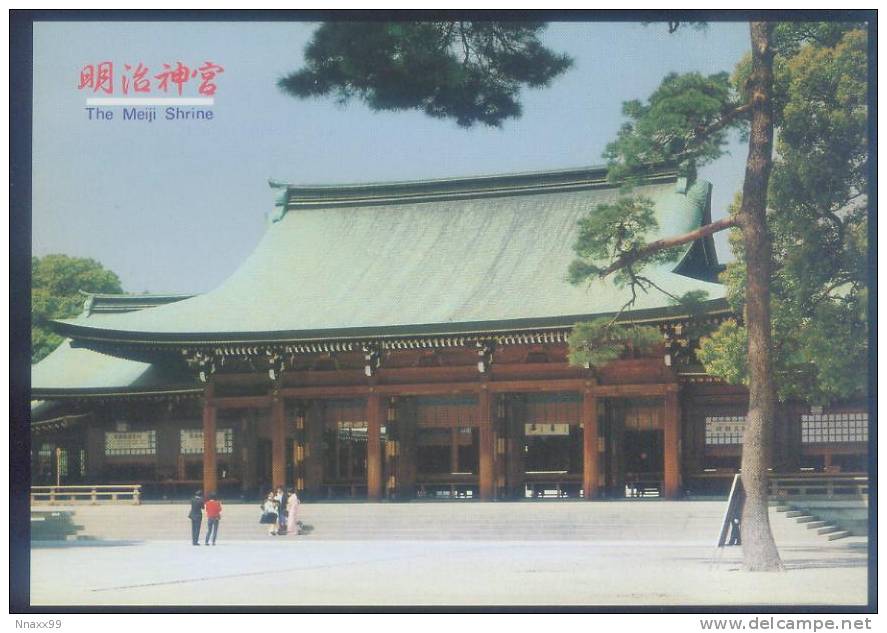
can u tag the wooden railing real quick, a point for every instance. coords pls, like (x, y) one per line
(816, 485)
(55, 495)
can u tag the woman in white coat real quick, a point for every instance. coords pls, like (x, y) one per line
(292, 510)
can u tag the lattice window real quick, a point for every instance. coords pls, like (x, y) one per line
(191, 441)
(724, 429)
(834, 427)
(546, 428)
(131, 443)
(63, 462)
(355, 431)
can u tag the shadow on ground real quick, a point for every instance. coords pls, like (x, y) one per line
(82, 543)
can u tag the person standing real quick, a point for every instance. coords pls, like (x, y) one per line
(292, 512)
(269, 513)
(213, 515)
(281, 510)
(196, 516)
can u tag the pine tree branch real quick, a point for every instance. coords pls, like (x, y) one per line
(723, 122)
(628, 258)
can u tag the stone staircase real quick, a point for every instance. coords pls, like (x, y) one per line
(640, 521)
(834, 519)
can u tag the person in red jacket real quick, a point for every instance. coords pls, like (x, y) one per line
(213, 513)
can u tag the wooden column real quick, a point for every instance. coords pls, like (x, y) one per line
(671, 445)
(278, 443)
(375, 413)
(590, 475)
(210, 472)
(487, 445)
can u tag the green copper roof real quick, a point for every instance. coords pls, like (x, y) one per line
(407, 258)
(73, 369)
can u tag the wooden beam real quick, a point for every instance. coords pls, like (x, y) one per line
(671, 446)
(487, 446)
(242, 402)
(278, 443)
(589, 445)
(210, 472)
(375, 413)
(442, 388)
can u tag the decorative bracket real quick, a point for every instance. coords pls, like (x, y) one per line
(200, 362)
(372, 359)
(276, 365)
(484, 355)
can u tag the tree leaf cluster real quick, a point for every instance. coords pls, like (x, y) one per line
(56, 282)
(471, 72)
(598, 342)
(674, 125)
(614, 230)
(817, 218)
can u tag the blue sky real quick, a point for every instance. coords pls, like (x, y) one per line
(175, 206)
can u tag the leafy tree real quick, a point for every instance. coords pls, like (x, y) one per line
(815, 225)
(56, 282)
(468, 71)
(817, 219)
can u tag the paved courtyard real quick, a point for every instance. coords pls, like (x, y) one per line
(655, 553)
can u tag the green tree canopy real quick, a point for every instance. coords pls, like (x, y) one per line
(56, 282)
(816, 216)
(471, 72)
(818, 223)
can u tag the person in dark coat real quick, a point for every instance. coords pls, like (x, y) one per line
(196, 516)
(281, 510)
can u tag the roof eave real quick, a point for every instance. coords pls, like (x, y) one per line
(83, 335)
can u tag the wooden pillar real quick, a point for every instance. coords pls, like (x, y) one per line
(278, 443)
(210, 472)
(590, 475)
(671, 445)
(375, 412)
(487, 445)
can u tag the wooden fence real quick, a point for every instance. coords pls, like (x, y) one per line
(58, 495)
(822, 486)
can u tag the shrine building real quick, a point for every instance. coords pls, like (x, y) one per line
(409, 341)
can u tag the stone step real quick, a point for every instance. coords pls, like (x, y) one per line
(834, 536)
(829, 529)
(783, 508)
(807, 518)
(813, 525)
(791, 514)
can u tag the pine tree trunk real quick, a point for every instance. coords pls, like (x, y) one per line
(758, 547)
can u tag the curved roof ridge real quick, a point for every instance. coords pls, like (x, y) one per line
(577, 178)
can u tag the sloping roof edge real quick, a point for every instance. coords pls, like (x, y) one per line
(84, 336)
